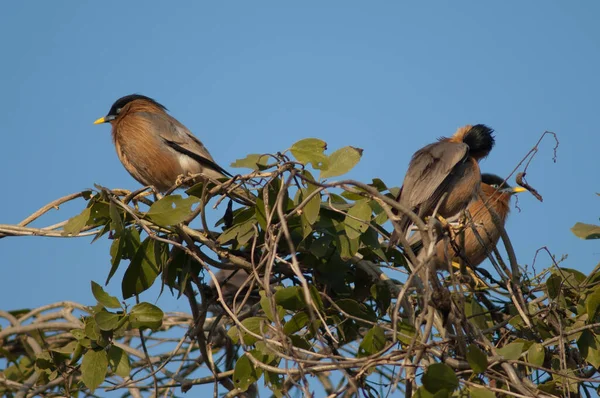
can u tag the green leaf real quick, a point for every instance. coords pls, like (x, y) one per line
(119, 361)
(553, 286)
(310, 150)
(592, 302)
(77, 333)
(481, 392)
(589, 346)
(406, 333)
(477, 359)
(244, 373)
(107, 320)
(586, 231)
(357, 220)
(439, 376)
(511, 351)
(91, 329)
(43, 360)
(251, 161)
(291, 298)
(320, 247)
(300, 342)
(265, 304)
(423, 393)
(123, 247)
(348, 247)
(253, 324)
(378, 184)
(356, 309)
(93, 368)
(372, 343)
(477, 314)
(104, 298)
(229, 235)
(296, 323)
(77, 223)
(146, 315)
(262, 209)
(536, 354)
(116, 219)
(171, 210)
(341, 162)
(381, 293)
(246, 232)
(66, 349)
(311, 210)
(144, 268)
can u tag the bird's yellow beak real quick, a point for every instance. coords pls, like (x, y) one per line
(513, 190)
(100, 121)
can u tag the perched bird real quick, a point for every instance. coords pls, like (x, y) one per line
(154, 147)
(496, 194)
(230, 282)
(447, 172)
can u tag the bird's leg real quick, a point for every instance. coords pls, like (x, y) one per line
(476, 279)
(157, 195)
(181, 179)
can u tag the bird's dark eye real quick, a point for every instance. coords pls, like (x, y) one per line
(118, 110)
(495, 186)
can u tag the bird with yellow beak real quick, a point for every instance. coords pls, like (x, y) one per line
(444, 175)
(155, 148)
(495, 197)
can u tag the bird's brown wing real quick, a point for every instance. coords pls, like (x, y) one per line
(428, 169)
(178, 137)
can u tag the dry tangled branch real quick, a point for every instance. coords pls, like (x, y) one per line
(298, 289)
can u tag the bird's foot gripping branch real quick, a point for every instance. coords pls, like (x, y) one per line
(297, 282)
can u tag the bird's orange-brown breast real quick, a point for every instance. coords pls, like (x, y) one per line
(142, 151)
(474, 250)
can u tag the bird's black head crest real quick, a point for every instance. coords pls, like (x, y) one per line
(493, 179)
(480, 139)
(121, 102)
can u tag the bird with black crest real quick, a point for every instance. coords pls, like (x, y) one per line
(444, 175)
(155, 148)
(481, 233)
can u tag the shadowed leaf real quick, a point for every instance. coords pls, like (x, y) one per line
(119, 361)
(373, 342)
(291, 298)
(144, 268)
(146, 315)
(439, 376)
(477, 359)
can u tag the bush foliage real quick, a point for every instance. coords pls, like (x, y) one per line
(323, 305)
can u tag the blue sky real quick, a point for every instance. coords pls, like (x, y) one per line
(250, 77)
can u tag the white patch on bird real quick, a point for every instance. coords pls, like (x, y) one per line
(188, 165)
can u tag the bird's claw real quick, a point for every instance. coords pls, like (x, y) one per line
(476, 279)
